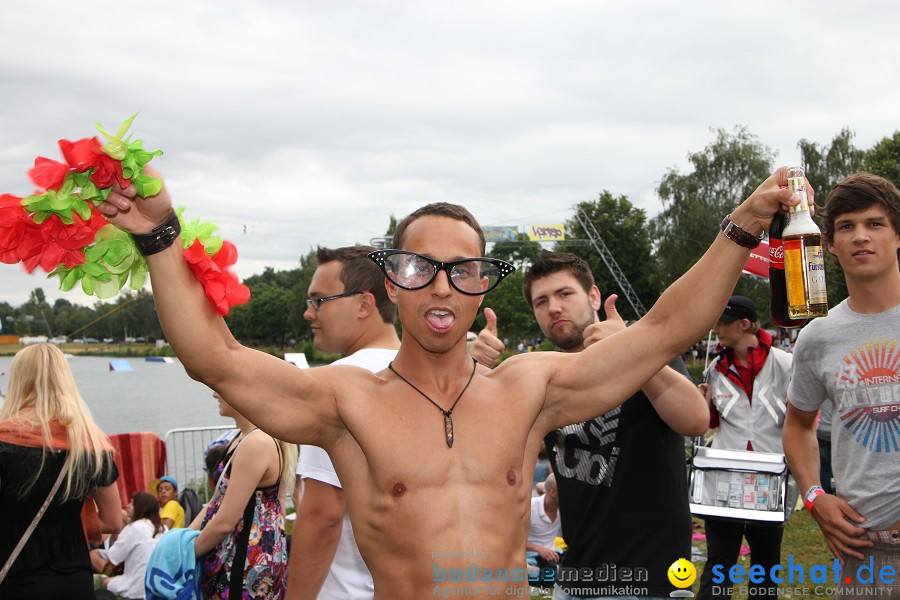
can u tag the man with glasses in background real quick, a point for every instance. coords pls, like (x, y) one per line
(350, 314)
(436, 453)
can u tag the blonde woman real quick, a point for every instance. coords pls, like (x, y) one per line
(46, 427)
(242, 540)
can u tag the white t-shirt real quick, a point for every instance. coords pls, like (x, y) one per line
(348, 578)
(542, 530)
(132, 547)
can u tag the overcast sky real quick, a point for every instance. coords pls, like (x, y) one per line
(296, 124)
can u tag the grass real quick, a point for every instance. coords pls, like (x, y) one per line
(100, 349)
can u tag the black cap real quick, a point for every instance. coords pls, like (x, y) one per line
(739, 307)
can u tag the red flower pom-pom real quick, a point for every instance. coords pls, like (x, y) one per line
(14, 222)
(88, 154)
(48, 173)
(222, 286)
(53, 242)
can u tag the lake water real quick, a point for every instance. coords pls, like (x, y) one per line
(153, 397)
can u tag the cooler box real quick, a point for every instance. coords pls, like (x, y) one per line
(752, 486)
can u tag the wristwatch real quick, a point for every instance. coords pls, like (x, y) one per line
(811, 495)
(739, 236)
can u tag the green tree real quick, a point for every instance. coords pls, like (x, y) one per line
(826, 165)
(392, 225)
(33, 315)
(520, 252)
(623, 229)
(267, 314)
(298, 324)
(515, 318)
(884, 158)
(7, 318)
(724, 174)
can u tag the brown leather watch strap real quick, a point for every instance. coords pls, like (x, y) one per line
(739, 236)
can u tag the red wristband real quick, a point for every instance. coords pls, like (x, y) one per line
(813, 493)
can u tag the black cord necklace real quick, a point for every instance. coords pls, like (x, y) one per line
(448, 419)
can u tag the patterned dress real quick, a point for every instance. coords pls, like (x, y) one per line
(258, 541)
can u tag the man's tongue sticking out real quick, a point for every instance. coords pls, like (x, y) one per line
(439, 320)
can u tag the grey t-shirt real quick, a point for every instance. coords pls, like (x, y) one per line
(854, 360)
(826, 413)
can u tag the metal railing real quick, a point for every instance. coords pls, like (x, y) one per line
(184, 456)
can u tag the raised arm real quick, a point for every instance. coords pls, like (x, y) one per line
(584, 385)
(290, 404)
(672, 394)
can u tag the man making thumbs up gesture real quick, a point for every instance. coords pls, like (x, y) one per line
(621, 478)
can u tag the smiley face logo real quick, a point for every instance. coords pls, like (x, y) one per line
(682, 573)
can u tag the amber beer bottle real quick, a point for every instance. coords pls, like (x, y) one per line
(804, 262)
(778, 302)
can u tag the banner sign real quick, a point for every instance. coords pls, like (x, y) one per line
(547, 233)
(500, 233)
(758, 263)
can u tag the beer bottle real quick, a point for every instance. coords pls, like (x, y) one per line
(778, 301)
(804, 261)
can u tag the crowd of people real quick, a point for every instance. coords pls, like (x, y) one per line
(417, 457)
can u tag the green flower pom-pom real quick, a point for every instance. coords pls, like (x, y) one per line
(202, 230)
(109, 263)
(62, 202)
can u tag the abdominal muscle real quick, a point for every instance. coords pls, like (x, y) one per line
(441, 536)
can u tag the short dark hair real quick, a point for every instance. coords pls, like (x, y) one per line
(360, 273)
(858, 192)
(548, 263)
(439, 209)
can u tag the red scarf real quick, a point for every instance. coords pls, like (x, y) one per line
(22, 433)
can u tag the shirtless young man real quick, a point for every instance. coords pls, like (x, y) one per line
(425, 513)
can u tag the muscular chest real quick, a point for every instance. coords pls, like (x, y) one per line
(402, 438)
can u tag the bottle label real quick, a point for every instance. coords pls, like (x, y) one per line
(805, 273)
(815, 269)
(776, 254)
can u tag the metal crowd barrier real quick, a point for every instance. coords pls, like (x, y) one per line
(184, 456)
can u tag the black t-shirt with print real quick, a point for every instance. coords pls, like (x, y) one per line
(623, 497)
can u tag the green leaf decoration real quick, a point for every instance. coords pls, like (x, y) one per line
(146, 185)
(117, 147)
(138, 273)
(202, 230)
(87, 286)
(136, 157)
(62, 202)
(109, 263)
(108, 289)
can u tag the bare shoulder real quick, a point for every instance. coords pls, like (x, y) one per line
(348, 379)
(256, 442)
(528, 366)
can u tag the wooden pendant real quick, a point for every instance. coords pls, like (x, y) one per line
(448, 429)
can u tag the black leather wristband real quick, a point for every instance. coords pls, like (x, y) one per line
(739, 236)
(160, 238)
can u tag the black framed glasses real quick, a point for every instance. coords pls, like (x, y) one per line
(316, 303)
(470, 276)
